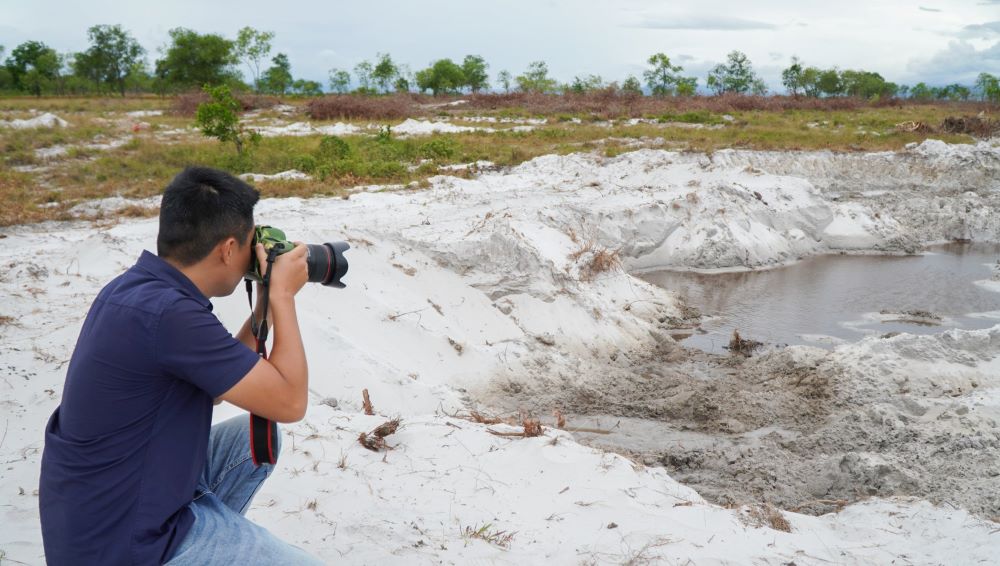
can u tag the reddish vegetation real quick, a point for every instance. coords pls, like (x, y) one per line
(348, 106)
(186, 104)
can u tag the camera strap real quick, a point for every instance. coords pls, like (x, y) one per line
(263, 432)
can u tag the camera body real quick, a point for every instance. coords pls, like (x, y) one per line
(327, 264)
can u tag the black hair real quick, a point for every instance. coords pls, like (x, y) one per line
(200, 208)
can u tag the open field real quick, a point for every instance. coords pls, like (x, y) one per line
(131, 147)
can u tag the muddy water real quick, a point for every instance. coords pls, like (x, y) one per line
(829, 300)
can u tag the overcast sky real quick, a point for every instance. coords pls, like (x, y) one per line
(935, 41)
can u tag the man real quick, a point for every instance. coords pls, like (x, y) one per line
(132, 471)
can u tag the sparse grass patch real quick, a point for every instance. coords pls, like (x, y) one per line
(487, 533)
(766, 515)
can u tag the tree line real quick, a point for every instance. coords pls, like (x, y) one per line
(115, 62)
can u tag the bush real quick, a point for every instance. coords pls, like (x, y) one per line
(354, 106)
(305, 163)
(219, 118)
(441, 148)
(333, 148)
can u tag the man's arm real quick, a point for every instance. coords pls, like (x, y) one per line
(277, 388)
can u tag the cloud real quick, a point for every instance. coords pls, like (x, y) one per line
(926, 9)
(960, 62)
(985, 29)
(704, 23)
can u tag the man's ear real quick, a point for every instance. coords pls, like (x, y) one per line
(227, 250)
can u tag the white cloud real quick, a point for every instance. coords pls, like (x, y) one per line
(704, 23)
(959, 62)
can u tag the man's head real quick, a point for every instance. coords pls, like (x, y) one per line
(206, 220)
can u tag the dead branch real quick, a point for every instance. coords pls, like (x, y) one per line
(367, 404)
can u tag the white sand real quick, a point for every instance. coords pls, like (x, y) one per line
(473, 281)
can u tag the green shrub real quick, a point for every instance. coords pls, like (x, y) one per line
(693, 117)
(333, 148)
(220, 119)
(440, 148)
(305, 163)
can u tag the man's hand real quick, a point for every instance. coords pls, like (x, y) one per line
(277, 388)
(289, 273)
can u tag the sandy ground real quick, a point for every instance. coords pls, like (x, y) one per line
(487, 293)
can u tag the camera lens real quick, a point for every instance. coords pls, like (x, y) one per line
(327, 263)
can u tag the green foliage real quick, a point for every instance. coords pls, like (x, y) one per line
(113, 55)
(504, 79)
(340, 81)
(305, 163)
(632, 85)
(385, 72)
(792, 77)
(440, 148)
(220, 119)
(692, 117)
(278, 78)
(443, 76)
(663, 78)
(303, 87)
(735, 76)
(829, 82)
(988, 87)
(536, 79)
(474, 69)
(193, 60)
(251, 47)
(363, 71)
(333, 148)
(588, 83)
(33, 67)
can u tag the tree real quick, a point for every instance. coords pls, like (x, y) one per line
(829, 82)
(303, 87)
(736, 76)
(504, 78)
(278, 78)
(194, 60)
(632, 86)
(404, 79)
(536, 79)
(474, 68)
(585, 84)
(792, 77)
(340, 81)
(363, 71)
(921, 91)
(252, 47)
(33, 67)
(220, 119)
(687, 86)
(385, 72)
(810, 81)
(112, 55)
(663, 78)
(988, 87)
(443, 76)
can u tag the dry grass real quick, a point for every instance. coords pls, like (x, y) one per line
(742, 346)
(596, 259)
(143, 166)
(375, 440)
(486, 533)
(766, 515)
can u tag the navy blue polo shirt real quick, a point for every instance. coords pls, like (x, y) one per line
(125, 448)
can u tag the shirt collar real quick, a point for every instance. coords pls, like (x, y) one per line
(159, 268)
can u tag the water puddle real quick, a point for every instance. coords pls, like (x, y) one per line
(829, 300)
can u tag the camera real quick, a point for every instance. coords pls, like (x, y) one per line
(327, 264)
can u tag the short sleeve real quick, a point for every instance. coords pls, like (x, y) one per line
(194, 346)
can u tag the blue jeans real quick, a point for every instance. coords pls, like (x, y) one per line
(221, 535)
